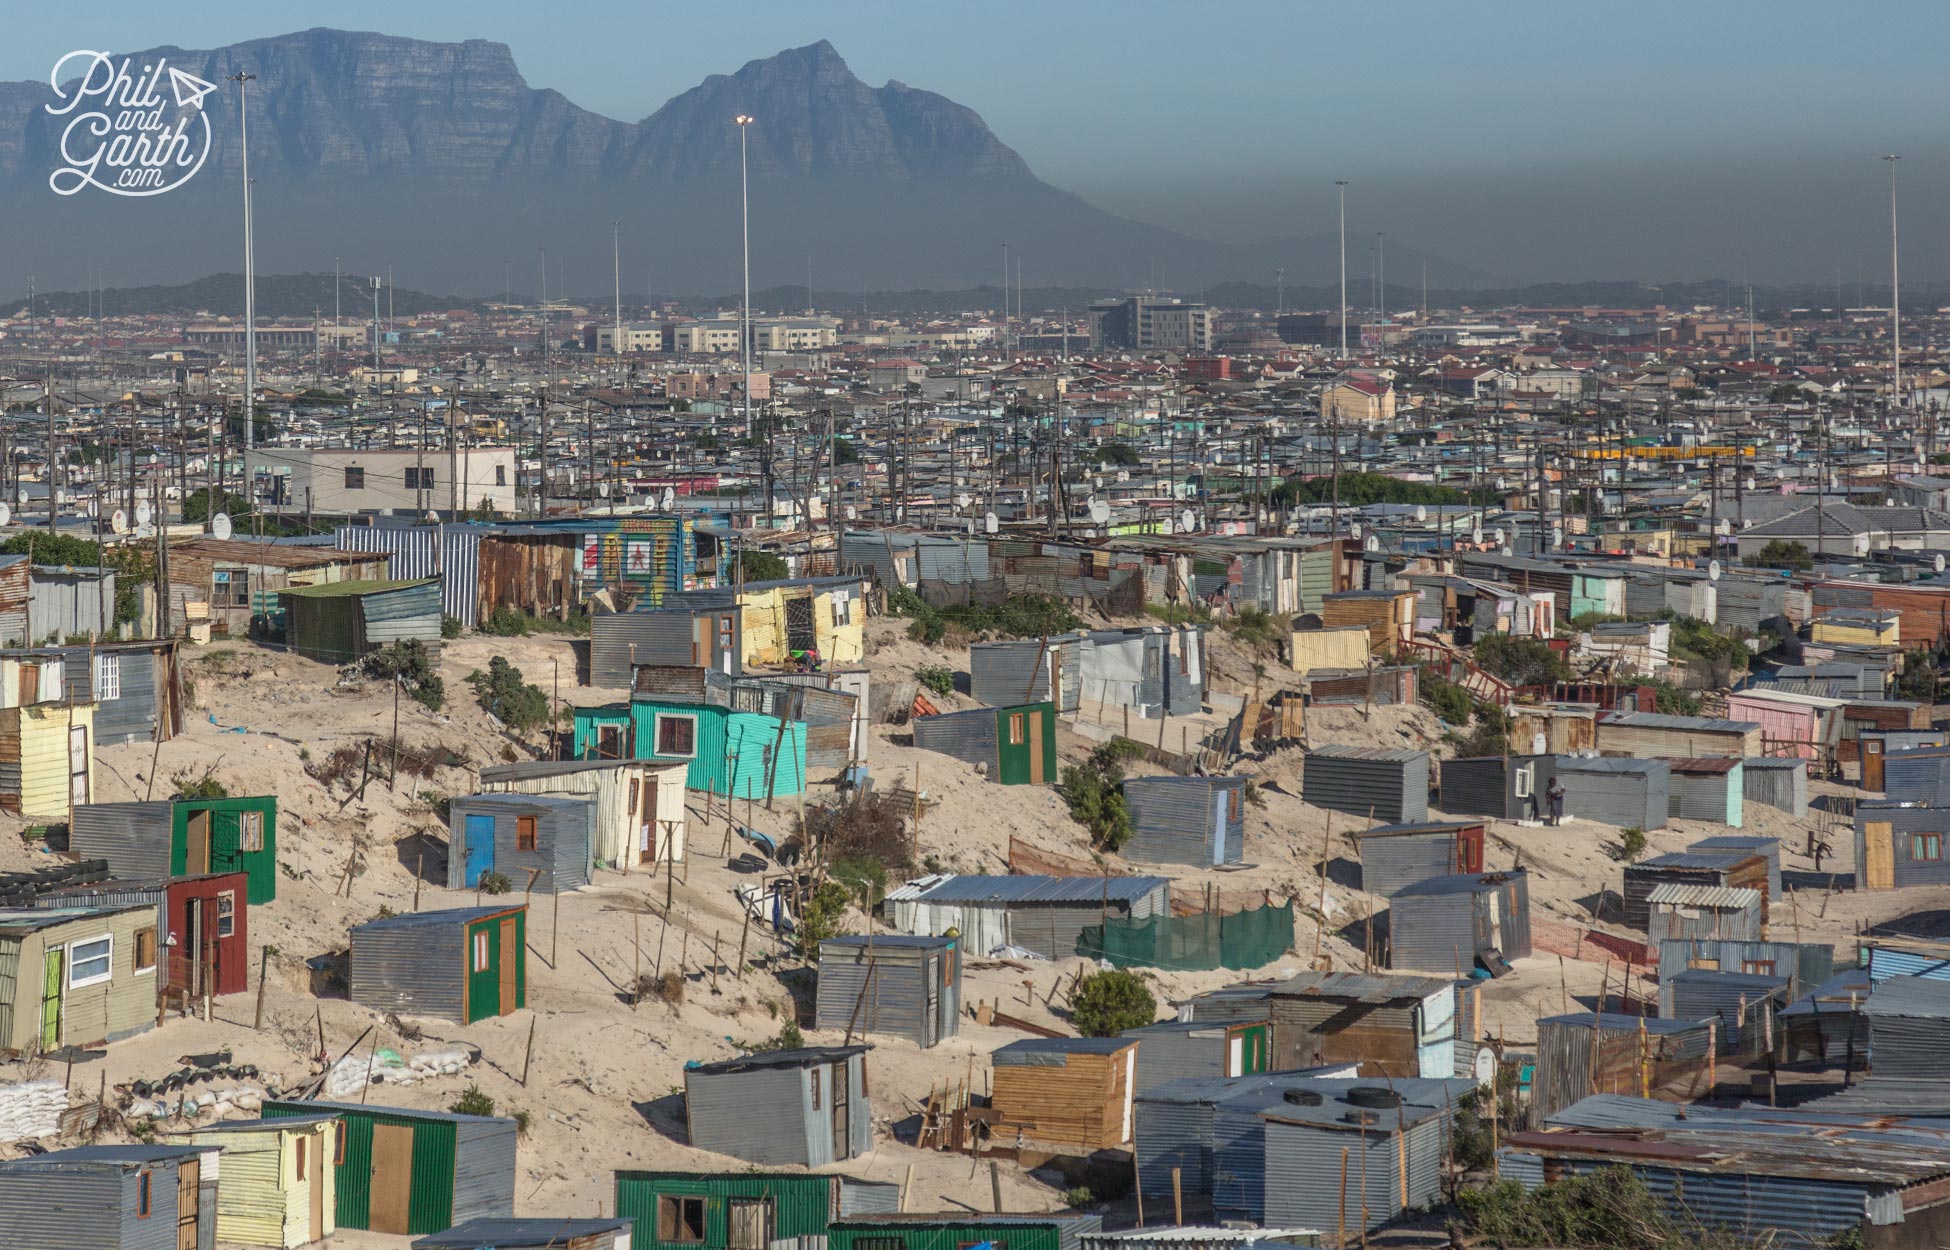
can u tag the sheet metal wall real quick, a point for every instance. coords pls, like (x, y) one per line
(565, 829)
(448, 552)
(70, 603)
(1613, 796)
(133, 837)
(1776, 783)
(1300, 1158)
(1186, 820)
(1444, 932)
(1805, 966)
(1904, 819)
(1390, 786)
(897, 1001)
(1715, 797)
(1011, 673)
(419, 971)
(618, 639)
(970, 737)
(1397, 860)
(1681, 922)
(1476, 787)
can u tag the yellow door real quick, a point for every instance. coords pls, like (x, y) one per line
(391, 1192)
(1878, 856)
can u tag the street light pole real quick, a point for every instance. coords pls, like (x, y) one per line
(1342, 184)
(1895, 292)
(250, 276)
(744, 122)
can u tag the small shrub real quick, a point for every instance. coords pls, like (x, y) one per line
(522, 1120)
(503, 694)
(341, 766)
(787, 1038)
(871, 827)
(411, 665)
(1520, 661)
(937, 678)
(450, 627)
(204, 787)
(472, 1101)
(1094, 791)
(495, 883)
(1445, 698)
(667, 987)
(1107, 1003)
(825, 917)
(1077, 1196)
(1631, 844)
(1258, 628)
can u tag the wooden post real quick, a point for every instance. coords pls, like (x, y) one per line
(715, 935)
(907, 1183)
(318, 1013)
(555, 926)
(263, 962)
(636, 951)
(419, 867)
(1340, 1236)
(743, 933)
(392, 775)
(372, 1058)
(1137, 1177)
(995, 1186)
(1177, 1199)
(528, 1052)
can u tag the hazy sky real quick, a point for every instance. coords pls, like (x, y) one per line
(1659, 140)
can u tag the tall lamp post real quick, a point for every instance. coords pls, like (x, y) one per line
(1342, 184)
(242, 80)
(744, 122)
(1895, 292)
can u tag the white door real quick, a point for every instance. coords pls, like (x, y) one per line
(77, 763)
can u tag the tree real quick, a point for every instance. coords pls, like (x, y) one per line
(1782, 554)
(1122, 454)
(1107, 1003)
(763, 566)
(1520, 661)
(196, 506)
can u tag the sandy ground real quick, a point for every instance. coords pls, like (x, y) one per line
(601, 1083)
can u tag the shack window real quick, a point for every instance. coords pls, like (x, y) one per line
(609, 742)
(1235, 803)
(500, 475)
(230, 588)
(298, 1159)
(1926, 846)
(815, 1089)
(338, 1142)
(1757, 967)
(145, 949)
(355, 479)
(676, 735)
(680, 1219)
(91, 962)
(1015, 729)
(749, 1223)
(250, 831)
(525, 833)
(419, 478)
(108, 678)
(481, 951)
(842, 610)
(142, 1203)
(226, 913)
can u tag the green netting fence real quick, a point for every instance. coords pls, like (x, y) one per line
(1244, 939)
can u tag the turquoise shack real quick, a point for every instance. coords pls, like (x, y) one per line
(747, 755)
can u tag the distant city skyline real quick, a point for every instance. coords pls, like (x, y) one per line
(1684, 142)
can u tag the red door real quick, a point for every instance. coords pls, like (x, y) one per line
(1469, 849)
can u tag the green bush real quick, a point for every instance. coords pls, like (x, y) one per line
(763, 566)
(1360, 489)
(825, 917)
(1694, 638)
(472, 1101)
(1094, 792)
(1631, 844)
(1779, 554)
(1520, 661)
(494, 883)
(450, 627)
(936, 677)
(205, 787)
(505, 696)
(1257, 628)
(411, 664)
(1445, 698)
(1107, 1003)
(1609, 1209)
(1668, 699)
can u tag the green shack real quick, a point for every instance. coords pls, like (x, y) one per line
(739, 1210)
(957, 1230)
(406, 1171)
(183, 838)
(337, 622)
(463, 963)
(744, 754)
(1017, 745)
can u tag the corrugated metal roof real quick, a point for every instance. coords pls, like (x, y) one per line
(1425, 826)
(805, 1056)
(1608, 764)
(1030, 889)
(1339, 751)
(1910, 996)
(1065, 1046)
(1619, 1022)
(1704, 766)
(441, 919)
(1458, 883)
(1662, 720)
(486, 1234)
(1676, 894)
(404, 1113)
(1367, 987)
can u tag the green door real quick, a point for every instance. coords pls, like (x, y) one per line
(51, 1002)
(496, 972)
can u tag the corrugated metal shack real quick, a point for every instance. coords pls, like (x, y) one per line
(1768, 849)
(1918, 775)
(806, 1106)
(110, 1198)
(1274, 1150)
(1014, 671)
(1068, 1093)
(1387, 785)
(538, 841)
(896, 984)
(688, 635)
(1017, 745)
(1396, 856)
(463, 963)
(1186, 820)
(1385, 685)
(338, 623)
(1175, 1127)
(1707, 789)
(1461, 922)
(1908, 1018)
(184, 837)
(1741, 1004)
(1629, 793)
(1041, 914)
(136, 687)
(958, 1231)
(1391, 1024)
(1206, 1238)
(1825, 1026)
(47, 759)
(1778, 783)
(1872, 748)
(699, 1209)
(1388, 614)
(552, 1232)
(280, 1186)
(1655, 735)
(1155, 670)
(203, 926)
(1171, 1050)
(1504, 787)
(240, 580)
(1245, 1001)
(639, 818)
(1803, 725)
(1763, 1173)
(408, 1171)
(1703, 913)
(15, 595)
(1900, 844)
(536, 571)
(1609, 1053)
(1709, 868)
(66, 602)
(86, 981)
(415, 552)
(1805, 964)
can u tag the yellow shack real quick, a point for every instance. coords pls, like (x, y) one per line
(1858, 627)
(47, 759)
(1341, 647)
(280, 1182)
(823, 614)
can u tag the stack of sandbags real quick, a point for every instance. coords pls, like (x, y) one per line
(31, 1109)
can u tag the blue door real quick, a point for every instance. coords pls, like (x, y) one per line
(480, 848)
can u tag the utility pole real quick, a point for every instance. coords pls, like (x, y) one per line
(250, 279)
(744, 123)
(1895, 293)
(616, 249)
(1342, 184)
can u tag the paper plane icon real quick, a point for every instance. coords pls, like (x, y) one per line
(189, 89)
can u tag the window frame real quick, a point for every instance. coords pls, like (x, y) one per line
(1018, 728)
(107, 677)
(1926, 848)
(145, 1204)
(107, 959)
(657, 734)
(227, 913)
(236, 585)
(816, 1072)
(298, 1158)
(250, 831)
(674, 1230)
(482, 956)
(136, 965)
(528, 832)
(355, 477)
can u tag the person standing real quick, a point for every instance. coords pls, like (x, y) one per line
(1556, 796)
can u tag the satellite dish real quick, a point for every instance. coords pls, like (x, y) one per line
(433, 516)
(971, 525)
(1713, 570)
(1100, 512)
(1938, 562)
(1187, 521)
(990, 523)
(1354, 529)
(1557, 535)
(145, 530)
(962, 500)
(118, 521)
(852, 513)
(1372, 544)
(143, 513)
(1485, 1066)
(670, 499)
(1508, 550)
(1476, 535)
(6, 514)
(602, 489)
(1421, 514)
(62, 498)
(1497, 533)
(220, 525)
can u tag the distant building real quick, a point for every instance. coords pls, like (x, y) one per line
(769, 334)
(637, 336)
(382, 480)
(1358, 399)
(1149, 323)
(1312, 329)
(269, 337)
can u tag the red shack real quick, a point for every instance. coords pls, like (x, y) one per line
(203, 924)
